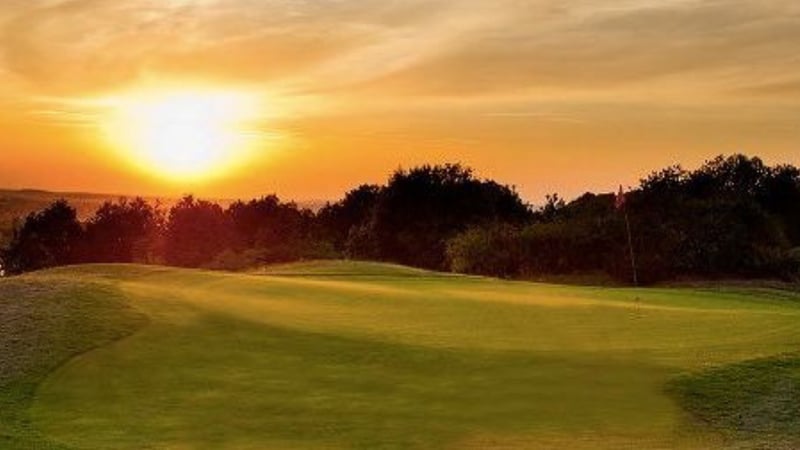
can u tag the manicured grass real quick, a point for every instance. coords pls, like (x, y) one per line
(357, 355)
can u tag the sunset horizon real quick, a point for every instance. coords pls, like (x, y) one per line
(312, 100)
(535, 195)
(399, 224)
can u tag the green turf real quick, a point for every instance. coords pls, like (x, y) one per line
(754, 401)
(356, 355)
(45, 321)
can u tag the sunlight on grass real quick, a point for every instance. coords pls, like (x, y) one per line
(351, 355)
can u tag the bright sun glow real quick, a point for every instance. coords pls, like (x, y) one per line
(184, 135)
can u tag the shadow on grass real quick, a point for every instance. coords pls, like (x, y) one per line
(234, 383)
(754, 403)
(43, 324)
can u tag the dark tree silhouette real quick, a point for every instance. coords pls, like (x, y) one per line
(732, 217)
(46, 239)
(124, 232)
(421, 208)
(278, 231)
(196, 232)
(339, 220)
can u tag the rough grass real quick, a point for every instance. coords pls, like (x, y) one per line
(354, 355)
(754, 401)
(43, 323)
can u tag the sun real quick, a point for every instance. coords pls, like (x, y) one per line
(183, 135)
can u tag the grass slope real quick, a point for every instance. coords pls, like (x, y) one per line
(757, 402)
(45, 321)
(357, 355)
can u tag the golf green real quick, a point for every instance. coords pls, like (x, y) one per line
(371, 356)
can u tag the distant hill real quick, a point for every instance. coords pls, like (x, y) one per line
(17, 204)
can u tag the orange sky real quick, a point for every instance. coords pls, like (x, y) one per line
(550, 96)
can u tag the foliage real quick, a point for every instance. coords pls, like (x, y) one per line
(46, 239)
(487, 250)
(732, 217)
(339, 221)
(125, 231)
(419, 209)
(196, 232)
(576, 242)
(235, 261)
(272, 231)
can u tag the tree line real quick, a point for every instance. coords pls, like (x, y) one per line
(732, 217)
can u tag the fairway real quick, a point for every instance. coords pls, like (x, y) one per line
(370, 356)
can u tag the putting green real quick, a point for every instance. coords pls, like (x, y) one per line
(355, 355)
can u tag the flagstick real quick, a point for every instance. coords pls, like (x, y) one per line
(630, 247)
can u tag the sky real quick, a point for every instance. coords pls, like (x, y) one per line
(549, 96)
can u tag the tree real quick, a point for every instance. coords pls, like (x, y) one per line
(420, 209)
(491, 250)
(341, 220)
(780, 196)
(47, 238)
(277, 231)
(732, 217)
(553, 204)
(196, 232)
(714, 221)
(123, 232)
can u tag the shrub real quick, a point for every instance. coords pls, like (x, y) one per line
(491, 250)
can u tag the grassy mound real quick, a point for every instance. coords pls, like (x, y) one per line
(756, 401)
(359, 355)
(43, 323)
(345, 269)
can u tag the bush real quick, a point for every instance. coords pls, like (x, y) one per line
(196, 232)
(505, 250)
(47, 238)
(492, 250)
(791, 265)
(235, 261)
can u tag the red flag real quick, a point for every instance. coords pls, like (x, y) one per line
(619, 202)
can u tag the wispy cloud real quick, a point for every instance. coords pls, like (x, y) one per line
(504, 81)
(417, 48)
